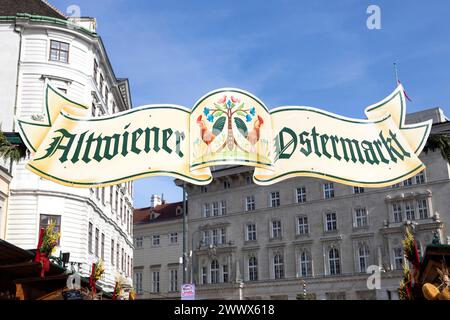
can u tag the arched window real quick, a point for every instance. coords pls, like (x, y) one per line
(278, 266)
(305, 264)
(214, 271)
(363, 256)
(252, 269)
(334, 260)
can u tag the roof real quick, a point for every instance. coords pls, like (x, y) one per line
(18, 265)
(35, 7)
(164, 212)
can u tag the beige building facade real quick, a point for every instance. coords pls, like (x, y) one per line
(158, 243)
(5, 179)
(254, 242)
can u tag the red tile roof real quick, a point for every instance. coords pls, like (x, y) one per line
(164, 212)
(35, 7)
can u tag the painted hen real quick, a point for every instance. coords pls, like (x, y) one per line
(206, 135)
(253, 135)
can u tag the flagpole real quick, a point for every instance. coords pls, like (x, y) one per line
(396, 74)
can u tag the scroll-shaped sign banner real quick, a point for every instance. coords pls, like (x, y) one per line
(225, 127)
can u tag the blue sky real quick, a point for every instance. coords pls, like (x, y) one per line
(314, 53)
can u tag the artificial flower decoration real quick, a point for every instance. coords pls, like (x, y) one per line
(48, 240)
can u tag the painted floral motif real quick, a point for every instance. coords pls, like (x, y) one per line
(224, 112)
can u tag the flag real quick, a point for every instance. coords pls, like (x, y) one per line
(406, 95)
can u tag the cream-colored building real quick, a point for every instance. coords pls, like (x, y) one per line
(254, 242)
(41, 45)
(5, 180)
(158, 249)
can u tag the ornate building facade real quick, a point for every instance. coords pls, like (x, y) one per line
(41, 45)
(255, 242)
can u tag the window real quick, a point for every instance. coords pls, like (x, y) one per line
(95, 73)
(422, 207)
(278, 266)
(106, 96)
(206, 210)
(334, 261)
(173, 281)
(397, 211)
(112, 252)
(59, 51)
(252, 269)
(45, 220)
(225, 277)
(173, 237)
(249, 203)
(90, 237)
(363, 257)
(205, 237)
(122, 263)
(102, 83)
(94, 113)
(97, 236)
(116, 207)
(328, 190)
(305, 264)
(251, 232)
(395, 186)
(155, 240)
(214, 271)
(223, 207)
(275, 199)
(276, 229)
(215, 236)
(331, 221)
(398, 258)
(226, 184)
(203, 189)
(155, 282)
(118, 257)
(102, 247)
(407, 182)
(360, 217)
(121, 209)
(249, 180)
(301, 194)
(111, 195)
(215, 209)
(302, 225)
(139, 242)
(358, 190)
(223, 236)
(138, 282)
(103, 196)
(409, 210)
(204, 275)
(420, 177)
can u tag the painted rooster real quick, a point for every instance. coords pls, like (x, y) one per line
(253, 135)
(206, 135)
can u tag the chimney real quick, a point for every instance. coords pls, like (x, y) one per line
(155, 200)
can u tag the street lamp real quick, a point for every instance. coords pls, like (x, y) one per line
(191, 255)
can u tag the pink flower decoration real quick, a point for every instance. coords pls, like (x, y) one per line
(235, 100)
(223, 99)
